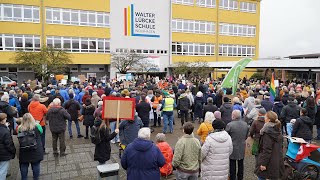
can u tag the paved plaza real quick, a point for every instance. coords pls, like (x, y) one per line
(79, 164)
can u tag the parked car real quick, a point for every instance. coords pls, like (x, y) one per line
(4, 80)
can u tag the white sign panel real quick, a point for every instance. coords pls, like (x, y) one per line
(141, 25)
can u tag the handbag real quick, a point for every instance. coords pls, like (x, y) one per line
(81, 118)
(255, 148)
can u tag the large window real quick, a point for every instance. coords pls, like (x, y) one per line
(237, 30)
(248, 7)
(228, 4)
(20, 13)
(77, 17)
(14, 42)
(192, 26)
(79, 44)
(185, 2)
(192, 49)
(206, 3)
(236, 50)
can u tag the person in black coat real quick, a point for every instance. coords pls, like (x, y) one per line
(317, 120)
(143, 109)
(102, 150)
(266, 103)
(277, 108)
(33, 157)
(302, 128)
(73, 108)
(9, 110)
(7, 149)
(24, 102)
(87, 112)
(184, 106)
(210, 107)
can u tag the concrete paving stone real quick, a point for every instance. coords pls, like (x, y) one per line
(85, 172)
(73, 174)
(65, 175)
(86, 165)
(56, 175)
(93, 171)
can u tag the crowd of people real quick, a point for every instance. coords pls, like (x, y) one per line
(226, 121)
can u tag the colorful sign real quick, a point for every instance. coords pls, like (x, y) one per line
(139, 23)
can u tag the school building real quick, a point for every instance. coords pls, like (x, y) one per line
(166, 31)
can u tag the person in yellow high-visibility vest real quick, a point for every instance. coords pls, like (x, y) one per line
(168, 104)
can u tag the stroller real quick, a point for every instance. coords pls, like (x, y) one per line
(306, 168)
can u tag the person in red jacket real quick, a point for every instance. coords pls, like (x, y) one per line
(38, 111)
(167, 153)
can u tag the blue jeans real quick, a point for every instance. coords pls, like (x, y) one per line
(70, 129)
(260, 178)
(4, 166)
(24, 170)
(113, 127)
(167, 119)
(43, 138)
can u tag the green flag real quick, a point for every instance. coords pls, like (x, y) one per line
(231, 79)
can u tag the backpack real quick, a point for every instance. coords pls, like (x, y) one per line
(95, 135)
(27, 140)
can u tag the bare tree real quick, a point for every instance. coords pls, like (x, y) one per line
(146, 65)
(198, 69)
(125, 62)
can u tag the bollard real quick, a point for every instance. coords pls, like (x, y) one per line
(108, 171)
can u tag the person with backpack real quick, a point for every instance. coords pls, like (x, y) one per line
(73, 107)
(31, 149)
(128, 130)
(57, 117)
(101, 137)
(7, 148)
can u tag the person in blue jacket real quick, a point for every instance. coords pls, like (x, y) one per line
(64, 93)
(142, 159)
(13, 100)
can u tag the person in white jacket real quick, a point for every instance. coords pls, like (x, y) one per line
(215, 153)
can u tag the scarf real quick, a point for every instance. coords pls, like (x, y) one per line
(266, 126)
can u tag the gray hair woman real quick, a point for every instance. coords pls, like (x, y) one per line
(167, 153)
(206, 127)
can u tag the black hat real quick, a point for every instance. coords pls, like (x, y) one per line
(218, 124)
(226, 99)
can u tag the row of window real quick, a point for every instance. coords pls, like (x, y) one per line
(79, 44)
(248, 7)
(193, 49)
(77, 17)
(141, 51)
(228, 4)
(20, 13)
(236, 50)
(15, 42)
(192, 26)
(223, 4)
(237, 30)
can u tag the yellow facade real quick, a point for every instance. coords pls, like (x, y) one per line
(179, 11)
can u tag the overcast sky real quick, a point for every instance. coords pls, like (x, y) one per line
(289, 27)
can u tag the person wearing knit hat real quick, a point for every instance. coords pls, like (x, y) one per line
(215, 163)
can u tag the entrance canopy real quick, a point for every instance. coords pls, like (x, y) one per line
(287, 64)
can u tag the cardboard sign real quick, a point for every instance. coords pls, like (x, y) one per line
(118, 108)
(82, 78)
(249, 143)
(63, 81)
(33, 84)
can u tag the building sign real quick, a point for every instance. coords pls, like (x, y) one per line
(139, 23)
(142, 26)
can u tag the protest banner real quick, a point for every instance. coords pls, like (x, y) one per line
(113, 105)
